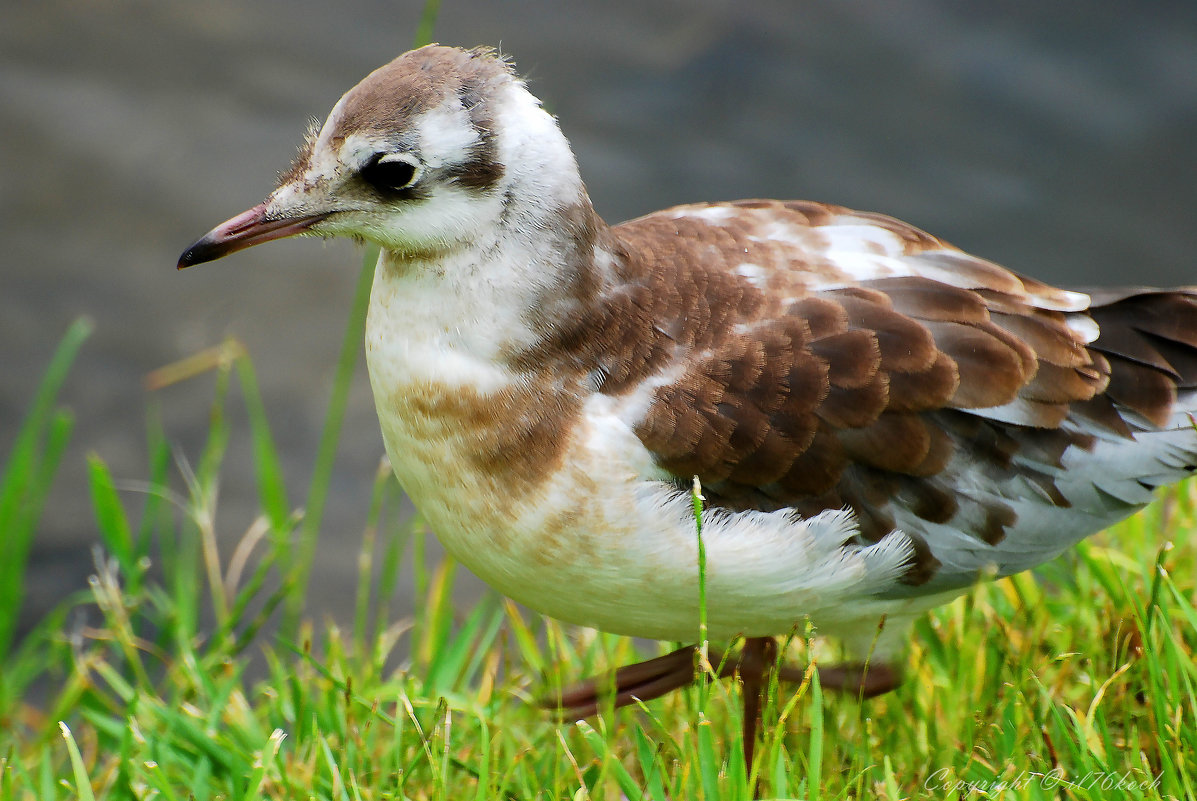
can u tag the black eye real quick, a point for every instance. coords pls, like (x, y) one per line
(391, 173)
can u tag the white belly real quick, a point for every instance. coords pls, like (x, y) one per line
(603, 543)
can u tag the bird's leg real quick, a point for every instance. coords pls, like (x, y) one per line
(756, 660)
(862, 679)
(874, 670)
(642, 681)
(653, 678)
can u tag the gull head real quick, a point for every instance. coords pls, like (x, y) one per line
(437, 150)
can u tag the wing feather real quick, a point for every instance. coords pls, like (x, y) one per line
(807, 356)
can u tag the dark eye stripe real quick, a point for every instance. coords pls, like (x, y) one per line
(479, 173)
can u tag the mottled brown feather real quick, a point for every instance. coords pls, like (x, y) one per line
(1044, 332)
(924, 299)
(797, 386)
(1064, 385)
(816, 469)
(929, 500)
(1150, 340)
(855, 407)
(823, 317)
(906, 345)
(990, 371)
(895, 442)
(1142, 389)
(925, 390)
(853, 357)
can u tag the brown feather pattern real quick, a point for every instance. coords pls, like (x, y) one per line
(797, 383)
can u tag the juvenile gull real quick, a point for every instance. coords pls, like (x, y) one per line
(878, 419)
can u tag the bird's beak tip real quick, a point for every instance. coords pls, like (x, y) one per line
(249, 228)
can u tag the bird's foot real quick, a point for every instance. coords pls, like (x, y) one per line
(862, 679)
(642, 681)
(653, 678)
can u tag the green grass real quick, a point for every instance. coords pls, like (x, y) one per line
(1059, 685)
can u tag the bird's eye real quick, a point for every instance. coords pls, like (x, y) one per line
(391, 173)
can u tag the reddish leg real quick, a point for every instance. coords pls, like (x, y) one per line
(653, 678)
(642, 681)
(862, 679)
(756, 661)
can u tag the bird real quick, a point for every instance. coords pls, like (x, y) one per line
(877, 419)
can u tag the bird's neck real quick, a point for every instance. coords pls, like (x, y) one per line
(493, 301)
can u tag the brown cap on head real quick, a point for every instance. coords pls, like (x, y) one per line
(416, 82)
(392, 96)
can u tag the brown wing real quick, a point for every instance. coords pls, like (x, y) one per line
(805, 376)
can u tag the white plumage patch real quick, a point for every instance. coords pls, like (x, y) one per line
(446, 136)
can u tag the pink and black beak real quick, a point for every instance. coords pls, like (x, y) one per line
(245, 230)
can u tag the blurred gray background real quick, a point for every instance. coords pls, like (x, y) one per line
(1058, 138)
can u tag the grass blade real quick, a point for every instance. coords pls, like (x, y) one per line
(272, 490)
(82, 782)
(27, 474)
(351, 344)
(115, 530)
